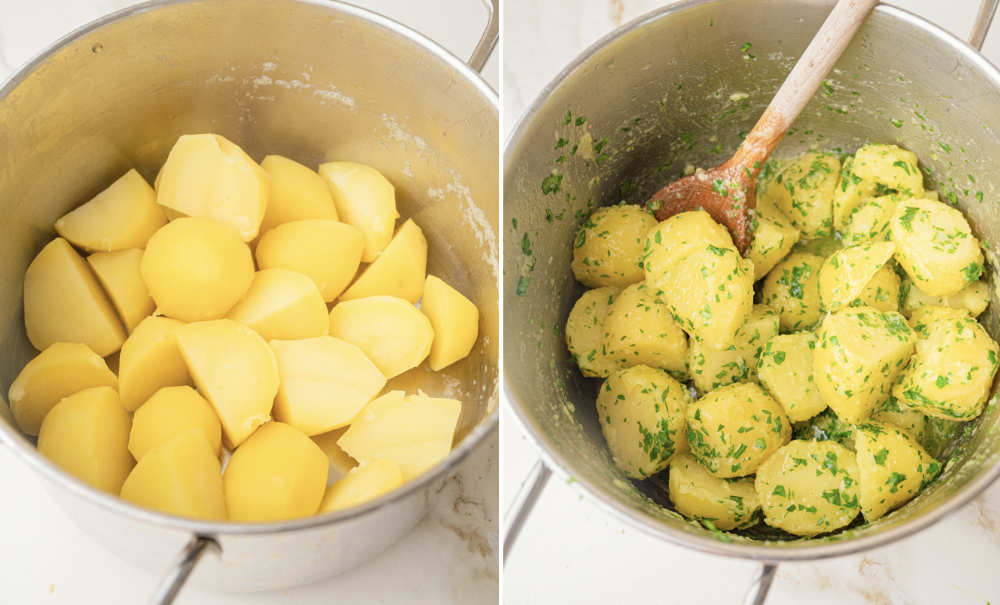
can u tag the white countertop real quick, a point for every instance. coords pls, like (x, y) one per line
(570, 551)
(449, 559)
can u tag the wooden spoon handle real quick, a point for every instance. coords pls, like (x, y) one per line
(802, 83)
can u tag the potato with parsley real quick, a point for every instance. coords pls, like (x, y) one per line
(805, 192)
(846, 273)
(732, 430)
(639, 330)
(585, 332)
(890, 168)
(786, 371)
(859, 354)
(825, 426)
(641, 413)
(672, 240)
(911, 420)
(892, 468)
(936, 247)
(882, 291)
(773, 239)
(974, 298)
(809, 487)
(792, 289)
(712, 369)
(696, 494)
(609, 245)
(870, 220)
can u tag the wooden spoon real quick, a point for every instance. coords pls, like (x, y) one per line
(728, 191)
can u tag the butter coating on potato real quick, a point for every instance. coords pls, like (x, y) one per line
(170, 412)
(455, 320)
(393, 333)
(361, 484)
(150, 360)
(364, 199)
(608, 247)
(297, 193)
(282, 304)
(398, 271)
(327, 251)
(121, 278)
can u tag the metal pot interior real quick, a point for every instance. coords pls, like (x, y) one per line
(679, 87)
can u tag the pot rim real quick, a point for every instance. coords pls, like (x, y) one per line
(787, 551)
(24, 450)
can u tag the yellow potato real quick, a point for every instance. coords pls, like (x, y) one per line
(792, 289)
(639, 329)
(398, 271)
(974, 298)
(870, 220)
(340, 461)
(585, 332)
(235, 370)
(180, 477)
(63, 302)
(786, 371)
(609, 245)
(170, 412)
(393, 333)
(297, 193)
(846, 273)
(805, 194)
(913, 421)
(848, 195)
(150, 360)
(893, 468)
(772, 241)
(278, 473)
(122, 216)
(86, 434)
(361, 484)
(196, 269)
(282, 304)
(365, 199)
(325, 382)
(414, 431)
(119, 273)
(712, 369)
(327, 251)
(62, 369)
(696, 494)
(891, 167)
(208, 176)
(674, 239)
(882, 291)
(454, 319)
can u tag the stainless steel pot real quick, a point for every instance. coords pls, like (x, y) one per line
(315, 81)
(678, 86)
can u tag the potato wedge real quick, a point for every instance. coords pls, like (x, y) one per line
(639, 329)
(327, 251)
(125, 215)
(361, 484)
(772, 241)
(393, 333)
(150, 360)
(792, 289)
(846, 273)
(696, 494)
(398, 271)
(365, 199)
(121, 278)
(170, 412)
(608, 247)
(455, 320)
(893, 468)
(786, 371)
(282, 304)
(297, 193)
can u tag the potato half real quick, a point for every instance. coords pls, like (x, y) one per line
(393, 333)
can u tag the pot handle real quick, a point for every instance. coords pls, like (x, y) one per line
(172, 583)
(757, 591)
(488, 41)
(987, 9)
(524, 501)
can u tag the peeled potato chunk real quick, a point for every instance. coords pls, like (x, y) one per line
(278, 473)
(893, 468)
(792, 289)
(150, 360)
(640, 330)
(119, 273)
(297, 193)
(394, 334)
(773, 239)
(282, 304)
(327, 251)
(180, 477)
(125, 215)
(235, 370)
(845, 274)
(398, 271)
(695, 493)
(608, 247)
(206, 175)
(882, 291)
(340, 460)
(786, 371)
(361, 484)
(86, 434)
(365, 199)
(62, 369)
(455, 320)
(196, 269)
(711, 369)
(325, 382)
(974, 298)
(173, 411)
(414, 431)
(585, 332)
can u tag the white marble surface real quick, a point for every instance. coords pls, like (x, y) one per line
(449, 559)
(573, 552)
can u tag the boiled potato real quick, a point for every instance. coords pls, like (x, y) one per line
(974, 298)
(150, 360)
(340, 461)
(196, 269)
(62, 369)
(414, 431)
(123, 216)
(890, 168)
(641, 413)
(911, 420)
(772, 241)
(454, 319)
(870, 220)
(393, 333)
(726, 503)
(809, 487)
(892, 466)
(119, 274)
(63, 302)
(953, 367)
(86, 434)
(848, 195)
(825, 426)
(935, 245)
(324, 383)
(805, 194)
(792, 289)
(640, 330)
(859, 354)
(671, 241)
(170, 412)
(365, 199)
(786, 371)
(711, 369)
(361, 484)
(398, 271)
(206, 175)
(608, 247)
(235, 370)
(882, 291)
(733, 429)
(282, 304)
(845, 274)
(297, 193)
(277, 473)
(585, 332)
(327, 251)
(180, 477)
